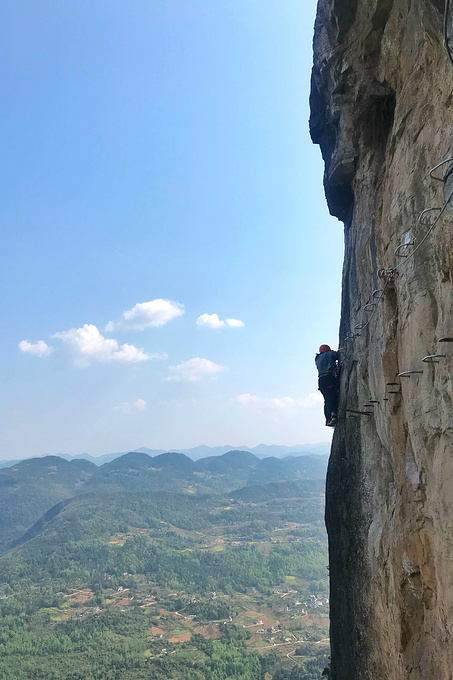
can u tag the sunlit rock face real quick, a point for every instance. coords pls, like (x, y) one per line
(381, 111)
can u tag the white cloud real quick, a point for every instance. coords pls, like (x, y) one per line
(210, 320)
(131, 406)
(281, 403)
(88, 346)
(37, 349)
(312, 399)
(145, 314)
(254, 400)
(193, 370)
(213, 321)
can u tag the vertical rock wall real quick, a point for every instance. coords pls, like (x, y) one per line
(381, 111)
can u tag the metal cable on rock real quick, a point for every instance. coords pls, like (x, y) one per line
(428, 233)
(393, 271)
(408, 257)
(365, 325)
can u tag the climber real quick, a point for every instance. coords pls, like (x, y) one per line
(326, 363)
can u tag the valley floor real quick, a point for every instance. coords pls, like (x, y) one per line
(193, 615)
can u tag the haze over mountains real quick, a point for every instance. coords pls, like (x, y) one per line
(203, 451)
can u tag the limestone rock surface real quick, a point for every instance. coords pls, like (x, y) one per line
(381, 111)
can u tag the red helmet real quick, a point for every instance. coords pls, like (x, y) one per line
(324, 348)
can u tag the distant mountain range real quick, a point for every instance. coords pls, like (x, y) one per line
(30, 488)
(260, 451)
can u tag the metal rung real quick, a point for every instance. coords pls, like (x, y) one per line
(424, 212)
(393, 392)
(403, 245)
(446, 340)
(369, 307)
(375, 292)
(359, 326)
(407, 374)
(432, 358)
(388, 274)
(385, 398)
(392, 384)
(439, 165)
(374, 401)
(359, 413)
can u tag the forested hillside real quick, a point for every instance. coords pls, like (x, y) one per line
(32, 487)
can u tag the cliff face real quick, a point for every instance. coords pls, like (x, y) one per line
(381, 110)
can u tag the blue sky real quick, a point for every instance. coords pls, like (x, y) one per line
(157, 152)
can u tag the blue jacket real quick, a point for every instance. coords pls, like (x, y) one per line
(325, 362)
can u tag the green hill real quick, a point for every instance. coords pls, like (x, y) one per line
(288, 469)
(134, 459)
(259, 493)
(72, 539)
(177, 460)
(33, 486)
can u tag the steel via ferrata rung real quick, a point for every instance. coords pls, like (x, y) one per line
(433, 358)
(436, 167)
(403, 245)
(424, 212)
(390, 274)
